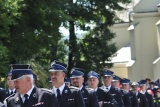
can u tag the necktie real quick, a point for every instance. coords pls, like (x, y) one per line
(107, 88)
(58, 94)
(11, 93)
(26, 100)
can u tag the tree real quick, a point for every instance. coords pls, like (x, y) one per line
(34, 26)
(29, 29)
(83, 13)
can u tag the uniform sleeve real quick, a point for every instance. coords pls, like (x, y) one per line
(119, 99)
(2, 95)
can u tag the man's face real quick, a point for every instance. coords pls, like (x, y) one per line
(57, 77)
(21, 85)
(126, 87)
(116, 84)
(135, 88)
(93, 82)
(143, 87)
(10, 83)
(107, 80)
(77, 81)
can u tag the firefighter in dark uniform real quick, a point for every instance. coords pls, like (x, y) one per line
(104, 98)
(67, 96)
(142, 100)
(11, 87)
(27, 94)
(2, 95)
(157, 99)
(89, 96)
(125, 94)
(132, 96)
(107, 79)
(149, 97)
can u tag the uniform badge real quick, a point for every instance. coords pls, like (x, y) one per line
(85, 98)
(17, 99)
(70, 99)
(34, 95)
(65, 91)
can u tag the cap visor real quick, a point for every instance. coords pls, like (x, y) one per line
(75, 76)
(107, 75)
(53, 70)
(92, 77)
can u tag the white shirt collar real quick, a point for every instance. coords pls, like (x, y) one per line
(109, 87)
(60, 88)
(143, 92)
(96, 89)
(81, 87)
(12, 90)
(28, 93)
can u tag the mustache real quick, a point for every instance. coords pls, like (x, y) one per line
(54, 78)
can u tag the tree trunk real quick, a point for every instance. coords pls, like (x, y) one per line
(72, 45)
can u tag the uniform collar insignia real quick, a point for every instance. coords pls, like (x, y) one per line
(35, 95)
(17, 100)
(65, 91)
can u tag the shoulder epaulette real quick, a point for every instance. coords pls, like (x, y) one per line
(90, 89)
(44, 89)
(9, 96)
(72, 87)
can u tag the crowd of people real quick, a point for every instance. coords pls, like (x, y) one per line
(71, 92)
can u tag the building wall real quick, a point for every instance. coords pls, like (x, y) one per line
(120, 70)
(122, 38)
(146, 49)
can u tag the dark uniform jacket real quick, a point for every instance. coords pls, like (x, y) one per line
(38, 98)
(126, 99)
(106, 98)
(134, 100)
(117, 96)
(71, 97)
(89, 97)
(142, 100)
(7, 94)
(150, 99)
(2, 94)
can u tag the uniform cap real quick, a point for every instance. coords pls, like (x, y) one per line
(9, 73)
(142, 82)
(135, 84)
(107, 73)
(34, 76)
(76, 72)
(92, 74)
(67, 80)
(58, 66)
(116, 78)
(19, 70)
(125, 81)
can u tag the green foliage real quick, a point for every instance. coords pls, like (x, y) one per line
(41, 72)
(96, 49)
(82, 14)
